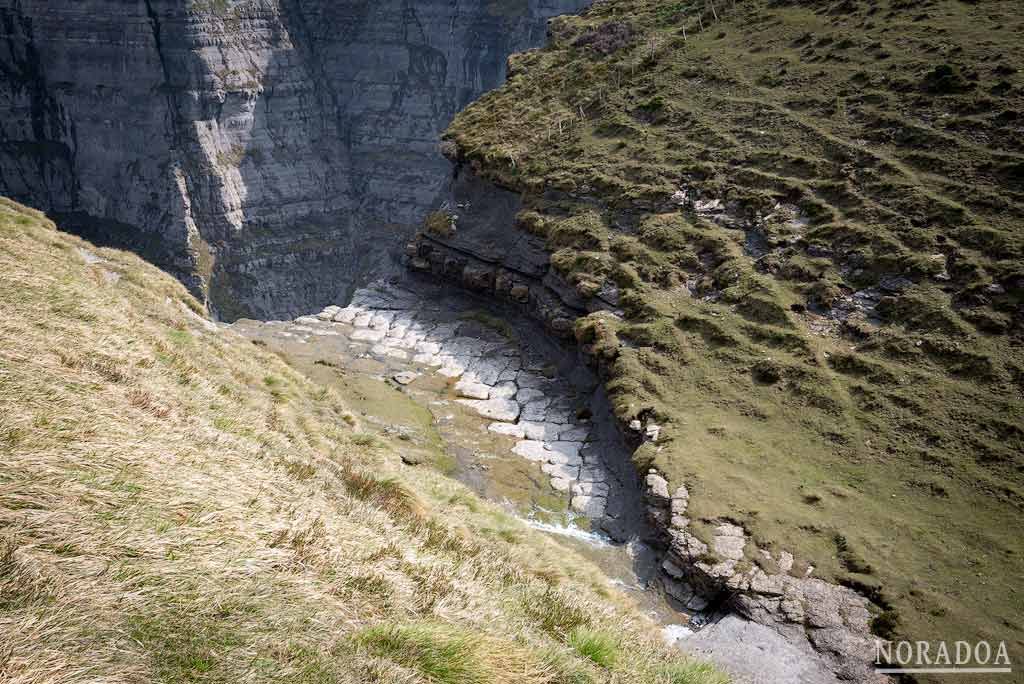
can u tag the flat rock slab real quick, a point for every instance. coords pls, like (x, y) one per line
(755, 654)
(466, 387)
(592, 474)
(367, 335)
(561, 470)
(540, 431)
(531, 449)
(565, 452)
(526, 395)
(507, 429)
(504, 410)
(504, 390)
(453, 370)
(574, 434)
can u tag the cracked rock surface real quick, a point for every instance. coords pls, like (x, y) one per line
(508, 383)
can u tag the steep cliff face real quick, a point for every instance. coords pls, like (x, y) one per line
(265, 151)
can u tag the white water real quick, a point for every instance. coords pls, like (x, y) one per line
(595, 539)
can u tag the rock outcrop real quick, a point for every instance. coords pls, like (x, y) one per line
(264, 151)
(768, 589)
(484, 249)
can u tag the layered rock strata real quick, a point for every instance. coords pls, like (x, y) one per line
(264, 151)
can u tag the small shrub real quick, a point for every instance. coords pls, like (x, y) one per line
(364, 439)
(556, 613)
(388, 494)
(300, 471)
(885, 625)
(850, 559)
(767, 372)
(440, 223)
(945, 79)
(607, 38)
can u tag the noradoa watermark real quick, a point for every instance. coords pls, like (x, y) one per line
(941, 657)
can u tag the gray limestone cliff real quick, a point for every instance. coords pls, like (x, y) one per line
(267, 152)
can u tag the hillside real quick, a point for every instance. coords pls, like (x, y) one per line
(811, 216)
(179, 505)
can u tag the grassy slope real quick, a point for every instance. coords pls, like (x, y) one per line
(177, 504)
(888, 454)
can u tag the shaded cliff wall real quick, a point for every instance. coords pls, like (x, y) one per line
(265, 151)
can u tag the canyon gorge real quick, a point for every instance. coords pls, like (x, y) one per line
(649, 292)
(267, 153)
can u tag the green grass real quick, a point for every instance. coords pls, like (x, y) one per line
(595, 645)
(901, 436)
(436, 652)
(690, 673)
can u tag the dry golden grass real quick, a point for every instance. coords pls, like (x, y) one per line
(179, 505)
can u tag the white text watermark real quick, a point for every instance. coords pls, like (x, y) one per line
(941, 657)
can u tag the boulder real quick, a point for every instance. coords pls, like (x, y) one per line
(590, 506)
(657, 487)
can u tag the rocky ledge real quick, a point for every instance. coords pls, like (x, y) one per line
(772, 590)
(480, 247)
(472, 241)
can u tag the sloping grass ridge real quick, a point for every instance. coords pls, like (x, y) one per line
(179, 505)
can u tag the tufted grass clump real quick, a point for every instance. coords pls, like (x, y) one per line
(445, 655)
(690, 672)
(596, 645)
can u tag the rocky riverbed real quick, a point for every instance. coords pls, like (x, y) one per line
(531, 402)
(522, 422)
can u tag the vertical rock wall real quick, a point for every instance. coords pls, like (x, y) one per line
(265, 151)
